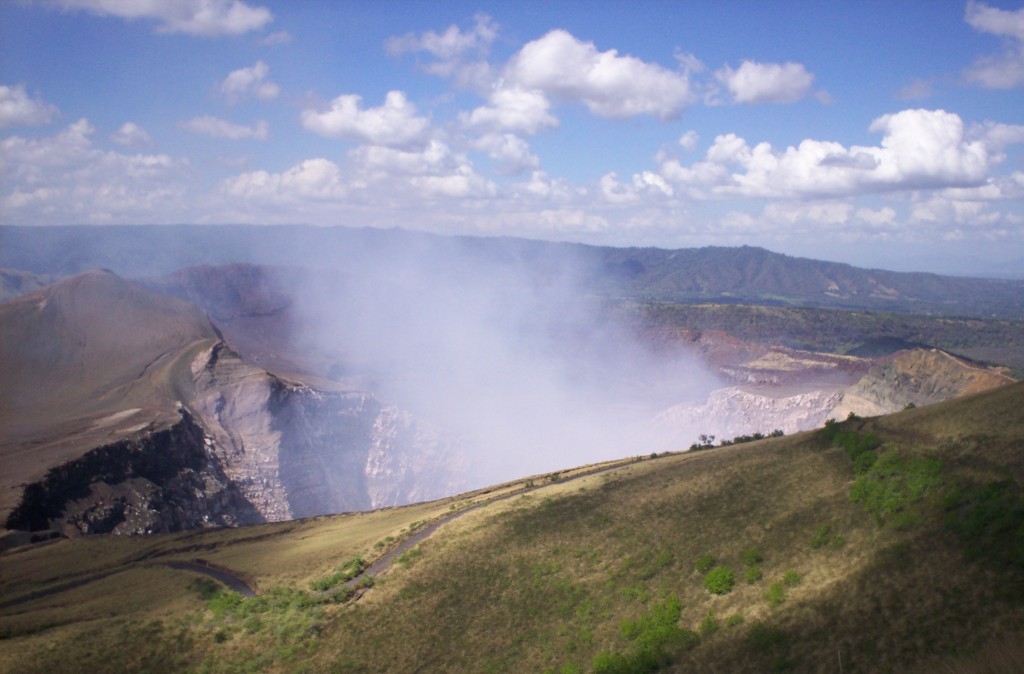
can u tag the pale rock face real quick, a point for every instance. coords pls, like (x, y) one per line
(410, 461)
(295, 451)
(732, 411)
(918, 377)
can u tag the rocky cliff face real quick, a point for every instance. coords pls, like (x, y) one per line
(159, 481)
(732, 411)
(248, 447)
(296, 451)
(917, 377)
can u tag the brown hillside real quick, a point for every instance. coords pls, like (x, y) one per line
(80, 361)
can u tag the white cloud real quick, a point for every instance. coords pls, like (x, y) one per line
(17, 109)
(250, 81)
(276, 38)
(131, 135)
(877, 218)
(541, 185)
(220, 128)
(608, 84)
(207, 18)
(449, 45)
(996, 21)
(920, 149)
(997, 137)
(689, 140)
(394, 123)
(1006, 69)
(317, 179)
(459, 53)
(513, 109)
(433, 158)
(510, 151)
(389, 173)
(65, 179)
(755, 82)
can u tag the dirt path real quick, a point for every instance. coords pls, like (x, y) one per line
(225, 576)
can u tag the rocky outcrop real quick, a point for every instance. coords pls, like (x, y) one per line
(159, 481)
(296, 451)
(248, 447)
(915, 377)
(732, 411)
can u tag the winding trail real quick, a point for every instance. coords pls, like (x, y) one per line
(218, 573)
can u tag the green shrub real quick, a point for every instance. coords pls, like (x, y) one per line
(791, 578)
(775, 594)
(752, 557)
(821, 537)
(893, 483)
(753, 574)
(409, 556)
(734, 619)
(345, 573)
(654, 638)
(704, 563)
(720, 580)
(709, 625)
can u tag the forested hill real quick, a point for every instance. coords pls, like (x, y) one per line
(758, 276)
(737, 275)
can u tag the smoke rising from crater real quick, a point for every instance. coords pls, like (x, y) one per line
(502, 346)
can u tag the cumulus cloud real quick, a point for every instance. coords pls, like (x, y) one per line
(459, 54)
(206, 18)
(435, 170)
(215, 127)
(689, 140)
(65, 179)
(450, 45)
(394, 123)
(920, 149)
(317, 179)
(755, 82)
(377, 177)
(131, 135)
(18, 109)
(609, 85)
(511, 152)
(1004, 70)
(513, 109)
(250, 81)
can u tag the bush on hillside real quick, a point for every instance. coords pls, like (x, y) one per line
(720, 580)
(704, 563)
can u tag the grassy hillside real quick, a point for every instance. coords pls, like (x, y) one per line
(888, 544)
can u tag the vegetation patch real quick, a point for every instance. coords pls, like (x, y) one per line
(654, 638)
(345, 573)
(704, 563)
(720, 580)
(894, 483)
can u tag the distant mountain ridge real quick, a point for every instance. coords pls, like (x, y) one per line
(739, 275)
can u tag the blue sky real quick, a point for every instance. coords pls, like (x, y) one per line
(877, 133)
